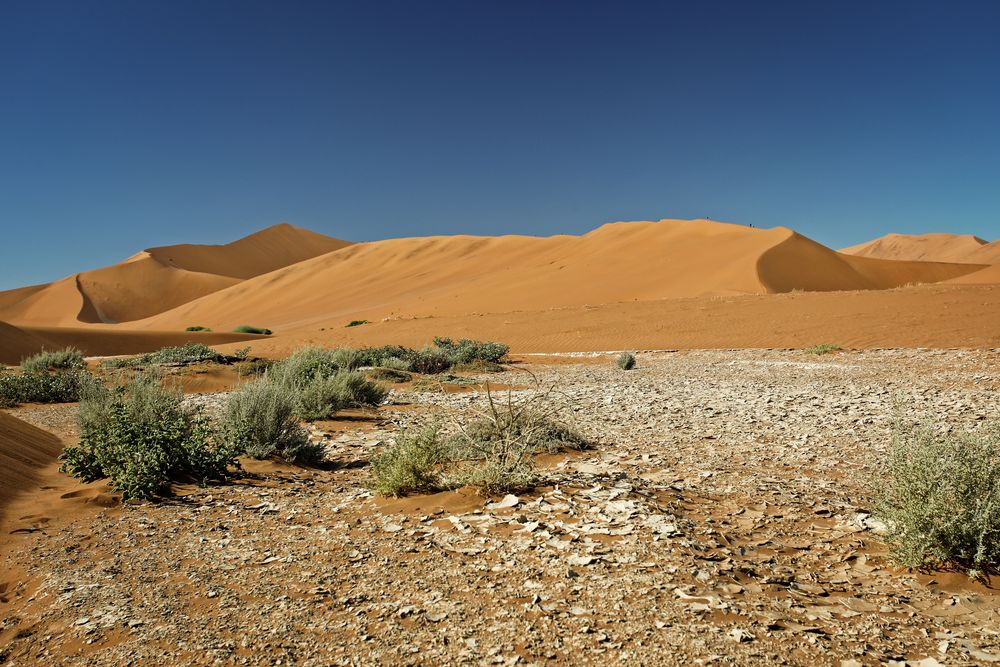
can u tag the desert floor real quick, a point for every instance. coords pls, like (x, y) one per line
(722, 519)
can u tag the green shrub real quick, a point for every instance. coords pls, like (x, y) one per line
(411, 463)
(356, 323)
(259, 420)
(307, 363)
(66, 358)
(386, 356)
(322, 396)
(466, 350)
(142, 438)
(247, 329)
(62, 386)
(823, 348)
(190, 353)
(626, 361)
(197, 329)
(430, 360)
(241, 353)
(939, 496)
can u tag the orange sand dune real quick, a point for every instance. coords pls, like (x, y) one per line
(161, 278)
(945, 316)
(459, 275)
(923, 247)
(986, 254)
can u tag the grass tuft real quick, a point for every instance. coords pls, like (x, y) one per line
(823, 348)
(356, 323)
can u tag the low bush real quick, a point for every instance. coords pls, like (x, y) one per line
(823, 348)
(190, 353)
(939, 496)
(411, 463)
(466, 350)
(356, 323)
(68, 357)
(430, 360)
(307, 363)
(626, 361)
(322, 396)
(62, 386)
(197, 329)
(141, 437)
(259, 420)
(478, 366)
(247, 329)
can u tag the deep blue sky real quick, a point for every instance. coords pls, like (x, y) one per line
(140, 123)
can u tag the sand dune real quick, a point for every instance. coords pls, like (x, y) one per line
(159, 279)
(923, 247)
(634, 261)
(986, 254)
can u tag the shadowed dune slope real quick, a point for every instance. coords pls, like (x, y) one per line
(24, 451)
(990, 274)
(15, 343)
(923, 248)
(161, 278)
(633, 261)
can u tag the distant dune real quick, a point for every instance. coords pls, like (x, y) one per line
(925, 248)
(159, 279)
(306, 287)
(627, 261)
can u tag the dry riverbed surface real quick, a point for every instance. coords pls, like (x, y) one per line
(722, 519)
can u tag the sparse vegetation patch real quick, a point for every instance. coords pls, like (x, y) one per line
(823, 348)
(197, 329)
(493, 451)
(191, 353)
(260, 421)
(356, 323)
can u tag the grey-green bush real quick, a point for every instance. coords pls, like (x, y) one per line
(63, 386)
(626, 361)
(411, 463)
(142, 438)
(260, 421)
(68, 357)
(939, 495)
(466, 350)
(322, 396)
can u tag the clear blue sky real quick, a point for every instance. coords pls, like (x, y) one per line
(139, 123)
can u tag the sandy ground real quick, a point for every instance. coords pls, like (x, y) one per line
(721, 519)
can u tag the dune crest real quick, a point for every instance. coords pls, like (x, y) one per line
(161, 278)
